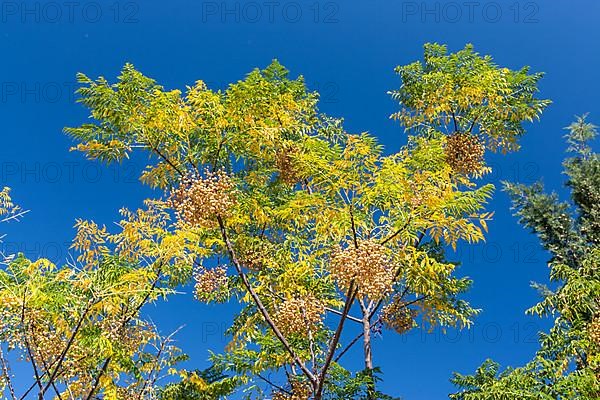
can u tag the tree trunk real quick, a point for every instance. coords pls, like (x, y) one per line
(368, 353)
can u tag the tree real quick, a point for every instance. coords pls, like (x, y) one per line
(567, 366)
(312, 220)
(79, 326)
(269, 204)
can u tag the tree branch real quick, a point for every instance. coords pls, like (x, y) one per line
(274, 385)
(350, 317)
(63, 354)
(125, 322)
(46, 370)
(399, 231)
(351, 295)
(352, 343)
(6, 372)
(161, 155)
(28, 347)
(260, 305)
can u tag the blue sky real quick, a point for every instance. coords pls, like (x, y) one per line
(347, 50)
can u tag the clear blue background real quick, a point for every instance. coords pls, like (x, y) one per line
(347, 50)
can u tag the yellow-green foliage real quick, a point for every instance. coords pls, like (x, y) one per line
(258, 180)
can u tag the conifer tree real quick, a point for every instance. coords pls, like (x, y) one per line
(567, 365)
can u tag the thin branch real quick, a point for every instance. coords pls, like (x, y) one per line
(161, 155)
(125, 322)
(153, 374)
(454, 120)
(33, 385)
(260, 305)
(331, 310)
(399, 231)
(472, 125)
(14, 217)
(415, 244)
(351, 295)
(311, 341)
(274, 385)
(217, 154)
(28, 347)
(373, 325)
(308, 188)
(70, 342)
(352, 343)
(354, 235)
(46, 369)
(380, 302)
(350, 317)
(97, 380)
(6, 372)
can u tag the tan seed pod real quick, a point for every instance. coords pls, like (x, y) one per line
(284, 161)
(299, 315)
(199, 200)
(299, 391)
(397, 316)
(368, 266)
(209, 282)
(464, 153)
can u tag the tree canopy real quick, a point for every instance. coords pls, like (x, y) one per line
(265, 202)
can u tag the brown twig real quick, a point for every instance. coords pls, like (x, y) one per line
(351, 295)
(125, 322)
(28, 347)
(260, 305)
(6, 372)
(70, 342)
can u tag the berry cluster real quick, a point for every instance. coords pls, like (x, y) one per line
(464, 153)
(397, 316)
(199, 200)
(288, 171)
(368, 266)
(10, 312)
(210, 283)
(300, 391)
(299, 315)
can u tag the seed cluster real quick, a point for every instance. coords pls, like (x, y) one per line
(368, 266)
(199, 200)
(464, 153)
(10, 312)
(299, 391)
(299, 315)
(398, 316)
(288, 170)
(210, 282)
